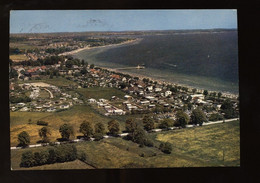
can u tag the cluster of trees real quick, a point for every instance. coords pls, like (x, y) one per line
(137, 134)
(89, 131)
(39, 62)
(23, 98)
(57, 50)
(59, 154)
(228, 109)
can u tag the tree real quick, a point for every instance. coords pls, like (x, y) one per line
(86, 128)
(198, 117)
(166, 123)
(139, 136)
(182, 119)
(148, 123)
(113, 127)
(227, 108)
(44, 133)
(99, 128)
(215, 117)
(27, 159)
(219, 94)
(205, 92)
(66, 131)
(166, 147)
(130, 125)
(24, 139)
(91, 66)
(194, 90)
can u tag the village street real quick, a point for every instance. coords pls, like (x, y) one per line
(125, 134)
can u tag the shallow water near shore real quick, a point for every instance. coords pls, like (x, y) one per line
(163, 67)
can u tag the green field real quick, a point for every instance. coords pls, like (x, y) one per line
(207, 143)
(60, 81)
(192, 147)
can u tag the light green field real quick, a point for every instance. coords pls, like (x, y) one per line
(207, 143)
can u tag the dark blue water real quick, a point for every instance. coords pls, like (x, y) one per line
(207, 60)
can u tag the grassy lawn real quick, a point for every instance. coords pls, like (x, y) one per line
(60, 81)
(18, 57)
(206, 143)
(98, 92)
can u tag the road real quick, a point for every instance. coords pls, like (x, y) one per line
(125, 134)
(51, 95)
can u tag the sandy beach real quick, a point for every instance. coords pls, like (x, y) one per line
(105, 46)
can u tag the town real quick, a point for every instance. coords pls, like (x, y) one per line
(48, 80)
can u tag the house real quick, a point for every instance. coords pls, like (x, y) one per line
(64, 106)
(151, 106)
(167, 93)
(197, 96)
(38, 108)
(119, 112)
(51, 110)
(157, 89)
(144, 102)
(92, 100)
(20, 104)
(127, 97)
(149, 88)
(149, 97)
(102, 100)
(24, 109)
(156, 130)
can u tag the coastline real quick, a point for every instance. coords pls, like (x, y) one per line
(105, 46)
(161, 81)
(141, 76)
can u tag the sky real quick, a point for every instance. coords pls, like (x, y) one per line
(45, 21)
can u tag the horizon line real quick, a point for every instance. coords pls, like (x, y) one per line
(126, 31)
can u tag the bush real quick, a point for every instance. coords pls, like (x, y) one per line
(41, 158)
(24, 139)
(148, 143)
(82, 156)
(27, 159)
(216, 117)
(42, 123)
(166, 147)
(98, 136)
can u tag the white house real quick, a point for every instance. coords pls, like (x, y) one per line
(157, 89)
(167, 93)
(20, 104)
(102, 100)
(198, 96)
(145, 102)
(92, 100)
(149, 88)
(127, 97)
(119, 112)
